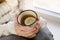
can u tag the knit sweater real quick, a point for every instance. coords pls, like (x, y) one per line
(7, 10)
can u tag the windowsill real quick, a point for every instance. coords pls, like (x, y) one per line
(54, 27)
(48, 14)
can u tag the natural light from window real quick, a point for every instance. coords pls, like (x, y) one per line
(53, 5)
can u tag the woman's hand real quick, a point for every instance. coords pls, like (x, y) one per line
(26, 31)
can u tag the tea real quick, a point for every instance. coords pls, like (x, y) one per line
(27, 19)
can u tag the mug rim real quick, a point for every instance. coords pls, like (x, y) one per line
(24, 11)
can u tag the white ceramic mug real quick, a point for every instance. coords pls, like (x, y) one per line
(27, 18)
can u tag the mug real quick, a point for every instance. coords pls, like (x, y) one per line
(27, 18)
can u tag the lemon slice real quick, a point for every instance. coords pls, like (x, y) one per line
(29, 20)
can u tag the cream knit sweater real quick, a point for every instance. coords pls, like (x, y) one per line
(7, 13)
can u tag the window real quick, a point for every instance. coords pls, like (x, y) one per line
(53, 5)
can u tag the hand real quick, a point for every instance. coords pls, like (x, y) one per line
(26, 31)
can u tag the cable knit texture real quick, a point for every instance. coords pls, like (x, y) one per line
(6, 13)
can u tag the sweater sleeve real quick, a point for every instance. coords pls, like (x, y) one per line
(7, 29)
(1, 30)
(3, 9)
(6, 7)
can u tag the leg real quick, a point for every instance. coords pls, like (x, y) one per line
(12, 37)
(43, 34)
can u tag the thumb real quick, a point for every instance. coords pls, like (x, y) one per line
(16, 16)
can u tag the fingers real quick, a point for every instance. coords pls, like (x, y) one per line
(26, 31)
(22, 31)
(24, 28)
(32, 36)
(16, 23)
(33, 31)
(16, 15)
(28, 34)
(36, 29)
(37, 26)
